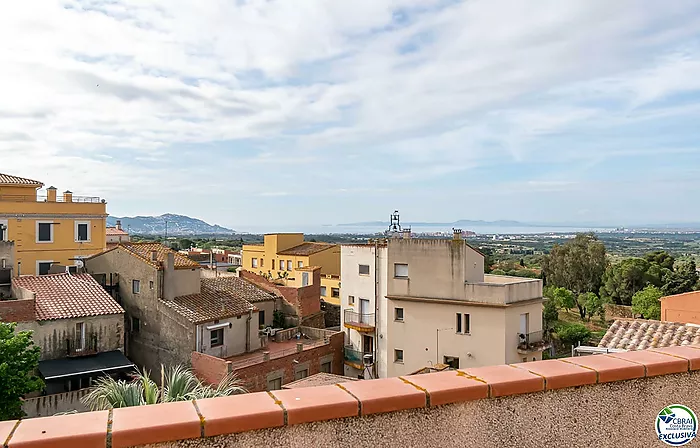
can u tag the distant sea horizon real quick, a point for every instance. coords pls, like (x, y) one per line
(372, 229)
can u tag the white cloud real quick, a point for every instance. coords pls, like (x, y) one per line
(129, 98)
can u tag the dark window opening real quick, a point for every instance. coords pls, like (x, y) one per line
(44, 268)
(44, 231)
(82, 232)
(261, 317)
(217, 337)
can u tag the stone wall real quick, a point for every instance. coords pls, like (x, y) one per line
(48, 405)
(618, 312)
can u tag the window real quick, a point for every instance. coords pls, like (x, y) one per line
(79, 335)
(261, 317)
(398, 355)
(459, 322)
(364, 269)
(72, 270)
(44, 232)
(300, 264)
(216, 337)
(3, 231)
(467, 323)
(275, 384)
(135, 325)
(452, 361)
(82, 231)
(289, 265)
(254, 262)
(400, 270)
(273, 264)
(300, 374)
(463, 326)
(304, 279)
(136, 286)
(150, 284)
(398, 314)
(335, 292)
(351, 300)
(262, 262)
(323, 291)
(43, 267)
(326, 367)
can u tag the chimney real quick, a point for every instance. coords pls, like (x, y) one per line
(119, 224)
(67, 196)
(154, 255)
(169, 277)
(51, 194)
(456, 234)
(406, 234)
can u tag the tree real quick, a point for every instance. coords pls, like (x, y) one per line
(570, 334)
(564, 298)
(550, 312)
(622, 280)
(19, 358)
(595, 305)
(186, 243)
(178, 384)
(646, 302)
(660, 257)
(682, 279)
(577, 265)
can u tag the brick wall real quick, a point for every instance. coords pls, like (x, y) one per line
(17, 310)
(255, 377)
(305, 300)
(210, 368)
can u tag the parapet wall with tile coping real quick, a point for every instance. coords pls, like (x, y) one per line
(593, 401)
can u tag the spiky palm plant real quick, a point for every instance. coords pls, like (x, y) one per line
(177, 384)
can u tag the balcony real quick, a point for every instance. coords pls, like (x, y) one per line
(76, 347)
(363, 323)
(537, 341)
(355, 358)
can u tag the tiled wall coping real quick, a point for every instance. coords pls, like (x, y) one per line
(211, 417)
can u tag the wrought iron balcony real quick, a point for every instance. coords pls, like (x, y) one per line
(76, 347)
(536, 341)
(360, 322)
(356, 358)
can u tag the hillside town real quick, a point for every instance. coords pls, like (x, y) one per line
(103, 309)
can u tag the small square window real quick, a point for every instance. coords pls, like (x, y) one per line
(254, 262)
(398, 355)
(44, 232)
(400, 270)
(351, 300)
(216, 337)
(300, 264)
(289, 265)
(301, 374)
(136, 286)
(326, 367)
(43, 267)
(335, 292)
(364, 269)
(323, 291)
(398, 314)
(150, 284)
(275, 384)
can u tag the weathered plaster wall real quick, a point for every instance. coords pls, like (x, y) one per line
(605, 415)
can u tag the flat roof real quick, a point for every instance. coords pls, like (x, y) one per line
(100, 363)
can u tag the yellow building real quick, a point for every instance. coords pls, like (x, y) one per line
(282, 254)
(49, 229)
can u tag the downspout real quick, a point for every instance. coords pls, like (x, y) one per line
(198, 338)
(376, 306)
(247, 330)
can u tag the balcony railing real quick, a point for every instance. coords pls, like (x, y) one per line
(38, 198)
(76, 347)
(533, 342)
(359, 321)
(356, 357)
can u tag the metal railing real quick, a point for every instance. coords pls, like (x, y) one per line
(533, 341)
(39, 198)
(76, 347)
(352, 317)
(355, 356)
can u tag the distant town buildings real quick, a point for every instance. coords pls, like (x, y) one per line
(282, 254)
(117, 234)
(409, 303)
(49, 229)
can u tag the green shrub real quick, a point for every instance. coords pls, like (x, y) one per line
(570, 334)
(550, 312)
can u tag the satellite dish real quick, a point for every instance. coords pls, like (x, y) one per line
(79, 263)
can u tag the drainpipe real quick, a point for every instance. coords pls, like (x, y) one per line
(376, 306)
(197, 347)
(247, 330)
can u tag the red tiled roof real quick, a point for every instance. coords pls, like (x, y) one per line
(306, 249)
(65, 296)
(217, 302)
(143, 251)
(6, 179)
(643, 334)
(116, 232)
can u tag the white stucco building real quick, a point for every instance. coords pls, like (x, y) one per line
(412, 303)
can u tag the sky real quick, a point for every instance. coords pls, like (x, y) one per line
(264, 112)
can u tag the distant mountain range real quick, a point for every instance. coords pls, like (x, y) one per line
(178, 225)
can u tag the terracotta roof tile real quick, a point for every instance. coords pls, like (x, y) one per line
(218, 300)
(643, 334)
(306, 249)
(65, 296)
(144, 250)
(114, 231)
(6, 179)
